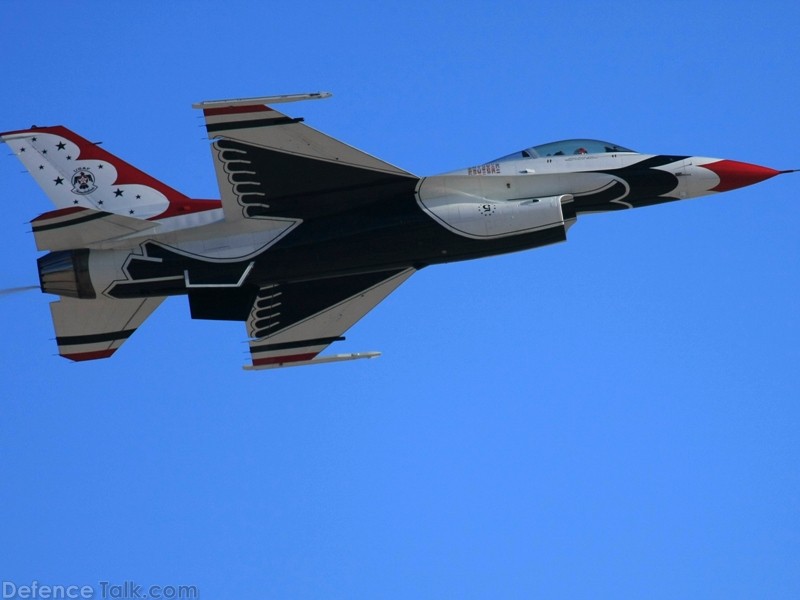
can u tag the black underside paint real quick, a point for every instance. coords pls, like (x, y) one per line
(222, 304)
(648, 184)
(358, 226)
(276, 184)
(284, 304)
(600, 201)
(355, 221)
(314, 251)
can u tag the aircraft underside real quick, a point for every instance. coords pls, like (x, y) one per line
(310, 234)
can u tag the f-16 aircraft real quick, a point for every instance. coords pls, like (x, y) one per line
(310, 234)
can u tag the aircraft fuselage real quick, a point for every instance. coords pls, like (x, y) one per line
(310, 233)
(495, 208)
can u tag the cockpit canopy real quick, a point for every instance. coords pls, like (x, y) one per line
(565, 148)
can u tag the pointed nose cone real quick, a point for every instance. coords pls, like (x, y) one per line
(734, 174)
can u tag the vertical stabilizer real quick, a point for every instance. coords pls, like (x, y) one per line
(76, 173)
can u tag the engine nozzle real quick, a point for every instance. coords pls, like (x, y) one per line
(66, 273)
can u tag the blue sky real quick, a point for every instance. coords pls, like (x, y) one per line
(616, 416)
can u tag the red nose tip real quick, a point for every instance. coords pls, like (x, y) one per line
(734, 174)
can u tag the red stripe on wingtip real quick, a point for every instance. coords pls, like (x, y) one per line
(81, 356)
(235, 110)
(276, 360)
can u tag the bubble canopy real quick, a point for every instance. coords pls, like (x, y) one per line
(565, 148)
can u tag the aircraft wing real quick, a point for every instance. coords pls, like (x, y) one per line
(290, 324)
(270, 165)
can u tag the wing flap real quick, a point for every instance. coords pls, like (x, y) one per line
(291, 324)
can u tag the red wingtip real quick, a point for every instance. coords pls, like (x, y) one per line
(734, 174)
(276, 360)
(81, 356)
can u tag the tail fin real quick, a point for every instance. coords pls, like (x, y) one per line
(75, 172)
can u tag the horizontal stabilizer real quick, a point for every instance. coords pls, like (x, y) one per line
(92, 329)
(82, 227)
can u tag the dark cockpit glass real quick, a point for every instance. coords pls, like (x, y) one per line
(565, 148)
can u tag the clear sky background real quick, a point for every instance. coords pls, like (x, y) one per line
(613, 417)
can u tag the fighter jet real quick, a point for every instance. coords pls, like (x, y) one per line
(310, 234)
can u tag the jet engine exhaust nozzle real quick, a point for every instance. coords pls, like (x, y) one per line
(66, 273)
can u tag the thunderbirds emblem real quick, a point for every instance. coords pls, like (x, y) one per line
(83, 182)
